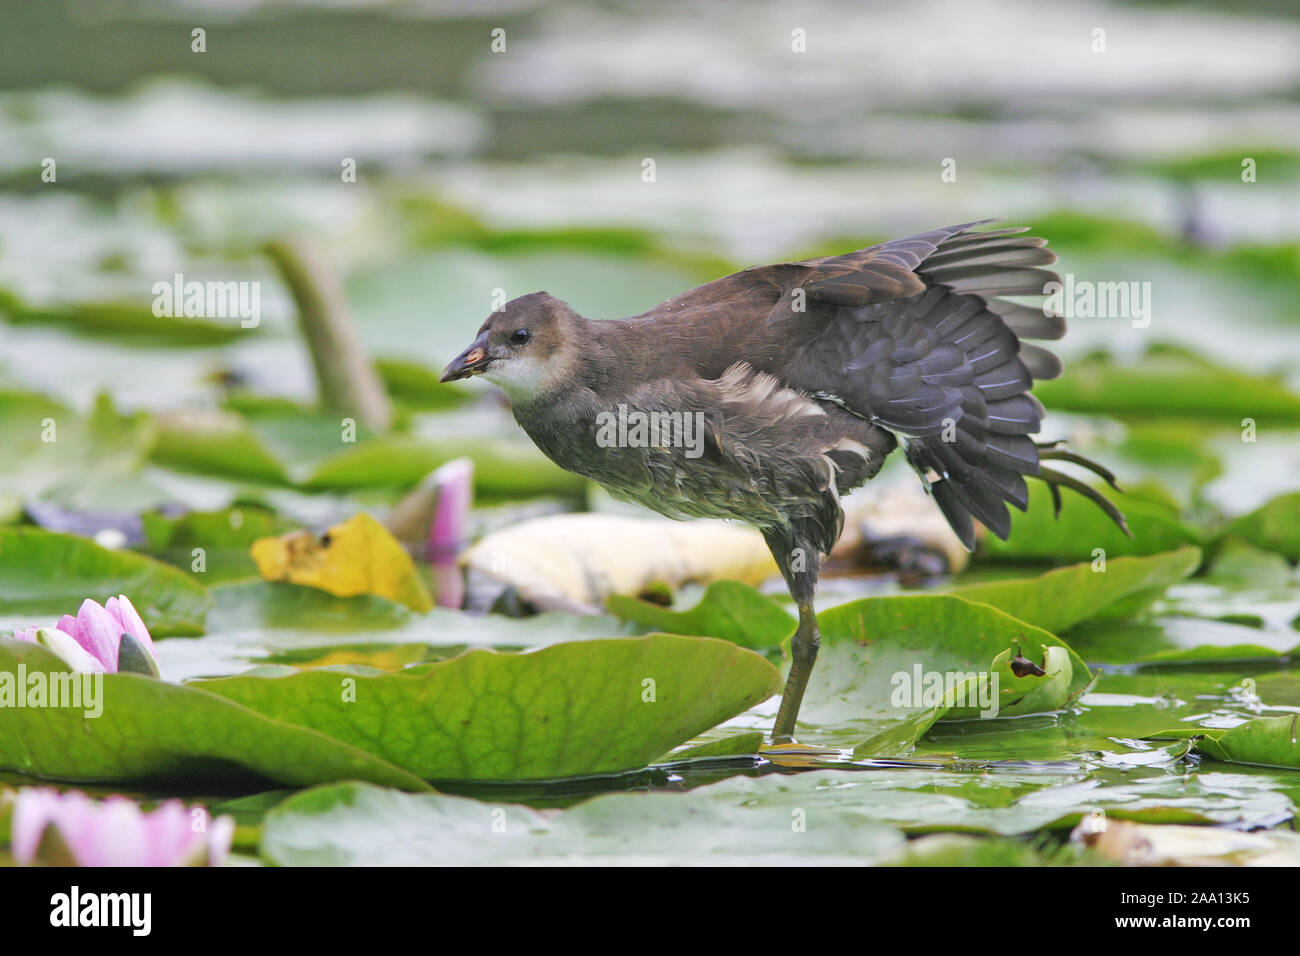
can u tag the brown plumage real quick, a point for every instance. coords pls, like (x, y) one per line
(777, 389)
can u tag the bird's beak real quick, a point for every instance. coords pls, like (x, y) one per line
(470, 362)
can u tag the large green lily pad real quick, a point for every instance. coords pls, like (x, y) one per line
(150, 730)
(830, 817)
(353, 824)
(573, 709)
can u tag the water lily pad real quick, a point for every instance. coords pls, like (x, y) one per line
(1265, 741)
(580, 708)
(899, 739)
(730, 610)
(502, 469)
(218, 444)
(357, 825)
(832, 816)
(221, 538)
(44, 574)
(1007, 801)
(1170, 382)
(1273, 527)
(1172, 639)
(75, 462)
(417, 386)
(131, 323)
(1060, 599)
(733, 745)
(884, 660)
(1082, 528)
(149, 729)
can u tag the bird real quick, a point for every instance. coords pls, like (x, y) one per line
(766, 395)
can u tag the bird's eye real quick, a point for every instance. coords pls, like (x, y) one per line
(520, 336)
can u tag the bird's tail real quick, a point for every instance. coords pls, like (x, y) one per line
(977, 464)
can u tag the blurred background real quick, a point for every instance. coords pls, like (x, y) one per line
(506, 146)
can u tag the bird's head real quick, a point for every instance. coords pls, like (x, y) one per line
(527, 347)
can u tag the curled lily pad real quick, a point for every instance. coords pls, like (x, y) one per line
(884, 660)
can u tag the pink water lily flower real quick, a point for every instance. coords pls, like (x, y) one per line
(114, 832)
(454, 482)
(98, 630)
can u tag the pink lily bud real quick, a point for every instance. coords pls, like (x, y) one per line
(52, 827)
(454, 482)
(124, 612)
(99, 631)
(64, 646)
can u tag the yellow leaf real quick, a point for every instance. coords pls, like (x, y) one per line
(359, 556)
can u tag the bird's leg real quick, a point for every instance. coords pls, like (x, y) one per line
(799, 563)
(803, 654)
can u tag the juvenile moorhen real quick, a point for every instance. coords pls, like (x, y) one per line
(767, 394)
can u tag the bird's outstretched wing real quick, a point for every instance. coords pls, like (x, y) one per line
(912, 335)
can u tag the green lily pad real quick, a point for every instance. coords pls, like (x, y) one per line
(79, 462)
(1007, 801)
(884, 660)
(1060, 599)
(124, 323)
(224, 445)
(1240, 564)
(1082, 528)
(574, 709)
(357, 825)
(1273, 527)
(830, 816)
(149, 729)
(1265, 741)
(733, 745)
(1170, 382)
(729, 610)
(899, 739)
(502, 469)
(222, 536)
(417, 386)
(47, 574)
(1173, 639)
